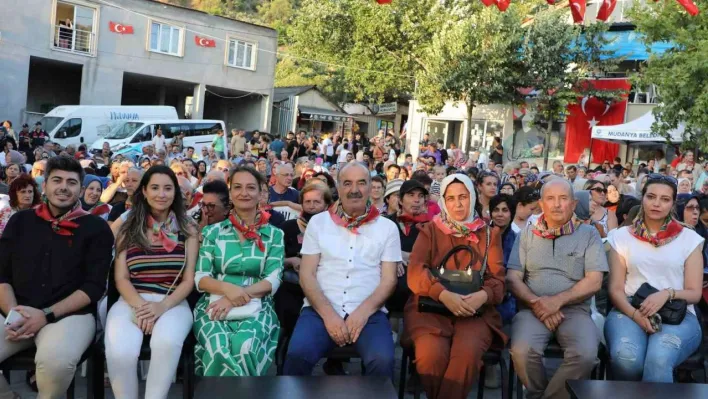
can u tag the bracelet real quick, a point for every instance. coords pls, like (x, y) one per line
(673, 294)
(635, 312)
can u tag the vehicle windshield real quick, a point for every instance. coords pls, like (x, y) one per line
(123, 131)
(50, 122)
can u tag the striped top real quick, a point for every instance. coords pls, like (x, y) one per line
(154, 271)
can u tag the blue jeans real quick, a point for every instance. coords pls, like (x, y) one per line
(311, 342)
(636, 355)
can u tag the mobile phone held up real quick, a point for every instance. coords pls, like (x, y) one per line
(13, 317)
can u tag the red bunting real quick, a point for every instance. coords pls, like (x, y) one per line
(488, 2)
(690, 6)
(502, 5)
(577, 8)
(606, 9)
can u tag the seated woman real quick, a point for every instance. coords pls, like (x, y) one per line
(91, 197)
(605, 217)
(449, 349)
(503, 209)
(314, 198)
(411, 213)
(241, 259)
(688, 210)
(658, 250)
(24, 194)
(156, 252)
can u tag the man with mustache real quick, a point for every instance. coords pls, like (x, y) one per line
(54, 262)
(348, 271)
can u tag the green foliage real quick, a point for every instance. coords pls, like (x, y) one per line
(681, 74)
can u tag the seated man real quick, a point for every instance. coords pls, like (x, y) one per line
(348, 271)
(54, 263)
(554, 268)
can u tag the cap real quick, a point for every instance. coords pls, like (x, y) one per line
(393, 187)
(410, 185)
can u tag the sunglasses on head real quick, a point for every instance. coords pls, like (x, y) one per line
(599, 190)
(659, 177)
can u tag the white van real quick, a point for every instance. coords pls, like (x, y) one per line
(77, 124)
(136, 134)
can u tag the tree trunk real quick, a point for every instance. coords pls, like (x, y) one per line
(546, 143)
(468, 129)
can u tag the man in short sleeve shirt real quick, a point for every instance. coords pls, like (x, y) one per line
(554, 269)
(348, 271)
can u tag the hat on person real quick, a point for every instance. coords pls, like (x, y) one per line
(410, 185)
(393, 187)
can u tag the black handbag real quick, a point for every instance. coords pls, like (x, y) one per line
(673, 312)
(462, 282)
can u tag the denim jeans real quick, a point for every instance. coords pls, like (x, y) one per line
(636, 355)
(311, 342)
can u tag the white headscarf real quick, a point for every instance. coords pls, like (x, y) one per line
(470, 187)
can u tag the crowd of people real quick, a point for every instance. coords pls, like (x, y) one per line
(326, 241)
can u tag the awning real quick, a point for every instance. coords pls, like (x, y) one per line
(320, 114)
(637, 131)
(629, 44)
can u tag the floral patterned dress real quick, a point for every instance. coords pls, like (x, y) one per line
(242, 347)
(5, 215)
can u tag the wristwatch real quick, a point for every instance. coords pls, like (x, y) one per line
(49, 315)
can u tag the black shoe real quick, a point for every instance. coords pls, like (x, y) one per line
(333, 367)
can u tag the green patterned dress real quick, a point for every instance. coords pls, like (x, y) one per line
(244, 347)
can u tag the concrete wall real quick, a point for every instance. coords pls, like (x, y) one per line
(30, 33)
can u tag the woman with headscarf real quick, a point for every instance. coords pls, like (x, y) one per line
(91, 197)
(684, 186)
(584, 209)
(449, 349)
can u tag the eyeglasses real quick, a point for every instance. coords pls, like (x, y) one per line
(208, 207)
(693, 208)
(599, 190)
(659, 177)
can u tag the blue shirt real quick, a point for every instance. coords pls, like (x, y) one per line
(291, 195)
(277, 146)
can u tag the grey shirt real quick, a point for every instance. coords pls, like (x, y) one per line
(553, 266)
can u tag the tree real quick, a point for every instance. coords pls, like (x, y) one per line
(560, 59)
(681, 73)
(477, 60)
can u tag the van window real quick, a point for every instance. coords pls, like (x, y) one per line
(143, 135)
(204, 129)
(70, 128)
(123, 131)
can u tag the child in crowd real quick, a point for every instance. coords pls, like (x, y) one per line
(439, 173)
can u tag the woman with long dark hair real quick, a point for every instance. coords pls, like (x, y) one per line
(659, 251)
(24, 194)
(240, 267)
(201, 172)
(156, 252)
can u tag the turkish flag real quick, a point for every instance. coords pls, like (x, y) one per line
(577, 8)
(120, 28)
(489, 2)
(589, 112)
(690, 6)
(204, 42)
(606, 9)
(502, 5)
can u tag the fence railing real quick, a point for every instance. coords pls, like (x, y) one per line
(74, 40)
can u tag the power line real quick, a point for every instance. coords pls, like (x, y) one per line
(258, 48)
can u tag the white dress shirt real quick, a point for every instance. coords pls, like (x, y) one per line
(350, 264)
(159, 143)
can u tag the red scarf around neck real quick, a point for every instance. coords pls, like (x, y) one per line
(250, 232)
(99, 209)
(64, 224)
(407, 221)
(340, 218)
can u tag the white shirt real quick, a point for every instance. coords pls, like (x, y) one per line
(327, 148)
(350, 264)
(159, 143)
(662, 267)
(343, 156)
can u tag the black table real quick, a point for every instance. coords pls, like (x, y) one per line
(281, 387)
(593, 389)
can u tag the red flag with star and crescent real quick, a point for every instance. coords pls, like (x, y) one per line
(589, 112)
(117, 27)
(606, 9)
(204, 42)
(577, 8)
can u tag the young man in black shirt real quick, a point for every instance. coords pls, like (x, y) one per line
(54, 263)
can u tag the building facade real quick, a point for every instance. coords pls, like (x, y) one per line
(134, 52)
(305, 108)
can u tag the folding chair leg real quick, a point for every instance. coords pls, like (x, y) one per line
(71, 392)
(480, 384)
(402, 379)
(504, 378)
(512, 378)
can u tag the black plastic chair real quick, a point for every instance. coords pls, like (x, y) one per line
(490, 358)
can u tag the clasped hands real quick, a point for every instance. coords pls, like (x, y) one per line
(32, 321)
(344, 332)
(463, 305)
(547, 309)
(234, 296)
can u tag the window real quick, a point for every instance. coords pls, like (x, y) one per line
(241, 54)
(70, 128)
(75, 28)
(205, 129)
(166, 39)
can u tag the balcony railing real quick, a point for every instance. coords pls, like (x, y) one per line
(74, 40)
